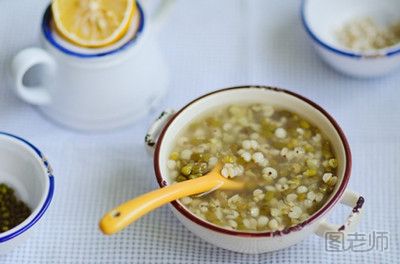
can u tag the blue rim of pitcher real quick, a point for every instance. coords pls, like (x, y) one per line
(49, 35)
(387, 52)
(21, 228)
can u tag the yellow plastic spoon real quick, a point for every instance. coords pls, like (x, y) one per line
(128, 212)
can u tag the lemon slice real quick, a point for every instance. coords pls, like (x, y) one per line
(93, 23)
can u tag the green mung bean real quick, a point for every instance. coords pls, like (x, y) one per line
(12, 210)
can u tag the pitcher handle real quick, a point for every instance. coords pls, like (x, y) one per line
(21, 63)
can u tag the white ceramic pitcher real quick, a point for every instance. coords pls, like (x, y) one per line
(95, 89)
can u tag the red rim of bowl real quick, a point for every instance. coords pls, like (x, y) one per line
(185, 212)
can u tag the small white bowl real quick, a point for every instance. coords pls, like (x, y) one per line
(321, 18)
(24, 168)
(169, 124)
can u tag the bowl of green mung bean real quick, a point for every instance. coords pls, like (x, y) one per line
(26, 189)
(291, 154)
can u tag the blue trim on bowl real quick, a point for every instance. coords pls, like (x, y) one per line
(335, 50)
(48, 34)
(49, 194)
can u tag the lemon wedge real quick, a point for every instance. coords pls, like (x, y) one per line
(93, 23)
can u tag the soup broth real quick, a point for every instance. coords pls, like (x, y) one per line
(286, 162)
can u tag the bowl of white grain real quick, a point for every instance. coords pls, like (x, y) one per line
(360, 38)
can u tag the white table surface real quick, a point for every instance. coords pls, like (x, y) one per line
(208, 45)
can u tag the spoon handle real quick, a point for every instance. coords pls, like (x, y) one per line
(130, 211)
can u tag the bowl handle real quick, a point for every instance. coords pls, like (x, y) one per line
(155, 129)
(350, 199)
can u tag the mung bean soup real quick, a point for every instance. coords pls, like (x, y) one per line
(288, 166)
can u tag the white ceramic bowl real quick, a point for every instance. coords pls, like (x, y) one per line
(24, 168)
(321, 18)
(169, 124)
